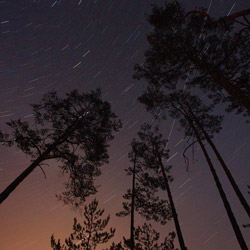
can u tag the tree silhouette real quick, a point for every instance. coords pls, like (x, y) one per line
(74, 131)
(115, 246)
(247, 225)
(142, 197)
(222, 162)
(153, 154)
(89, 235)
(189, 109)
(147, 238)
(209, 53)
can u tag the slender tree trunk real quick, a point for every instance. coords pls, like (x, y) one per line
(224, 166)
(233, 91)
(132, 225)
(13, 185)
(226, 204)
(171, 201)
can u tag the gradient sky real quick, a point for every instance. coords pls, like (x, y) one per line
(84, 44)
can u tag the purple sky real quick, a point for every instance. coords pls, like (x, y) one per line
(85, 44)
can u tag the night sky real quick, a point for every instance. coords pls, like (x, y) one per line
(85, 44)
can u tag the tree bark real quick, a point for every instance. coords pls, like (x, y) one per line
(224, 166)
(235, 93)
(175, 216)
(13, 185)
(226, 204)
(132, 226)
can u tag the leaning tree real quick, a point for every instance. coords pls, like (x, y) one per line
(74, 131)
(196, 120)
(211, 53)
(206, 53)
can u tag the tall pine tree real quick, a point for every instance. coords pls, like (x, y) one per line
(211, 53)
(189, 109)
(151, 175)
(74, 131)
(142, 197)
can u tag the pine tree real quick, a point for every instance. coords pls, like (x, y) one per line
(74, 131)
(210, 53)
(147, 238)
(153, 155)
(89, 235)
(151, 175)
(142, 197)
(189, 109)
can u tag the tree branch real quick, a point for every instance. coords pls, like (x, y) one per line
(233, 17)
(186, 160)
(42, 171)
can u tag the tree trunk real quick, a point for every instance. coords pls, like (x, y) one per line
(235, 93)
(226, 204)
(13, 185)
(175, 216)
(224, 166)
(132, 226)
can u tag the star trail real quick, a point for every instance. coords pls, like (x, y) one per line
(87, 44)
